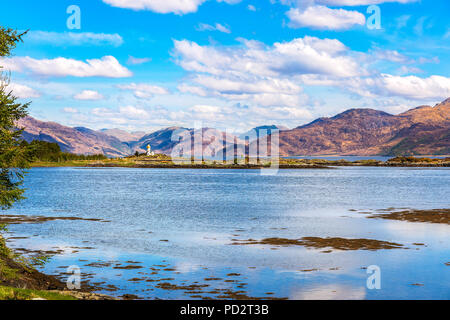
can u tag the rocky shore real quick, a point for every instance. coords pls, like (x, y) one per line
(19, 280)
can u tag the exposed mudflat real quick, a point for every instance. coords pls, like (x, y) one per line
(432, 216)
(321, 243)
(18, 219)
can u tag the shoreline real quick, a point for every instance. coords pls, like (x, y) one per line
(20, 280)
(238, 167)
(52, 288)
(165, 162)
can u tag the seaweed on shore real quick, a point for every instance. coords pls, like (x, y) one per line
(441, 216)
(320, 243)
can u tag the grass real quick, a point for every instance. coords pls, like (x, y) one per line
(11, 266)
(7, 293)
(162, 161)
(5, 271)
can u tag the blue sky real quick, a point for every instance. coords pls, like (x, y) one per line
(230, 64)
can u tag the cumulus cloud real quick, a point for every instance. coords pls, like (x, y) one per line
(135, 61)
(391, 55)
(204, 109)
(179, 7)
(413, 87)
(124, 112)
(264, 75)
(143, 90)
(75, 39)
(70, 110)
(89, 95)
(299, 56)
(359, 2)
(386, 85)
(321, 17)
(273, 76)
(22, 91)
(216, 27)
(107, 66)
(133, 112)
(338, 3)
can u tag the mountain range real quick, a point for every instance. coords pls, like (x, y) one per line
(424, 130)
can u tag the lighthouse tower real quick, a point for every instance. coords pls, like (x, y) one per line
(149, 151)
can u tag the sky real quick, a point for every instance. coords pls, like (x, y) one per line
(142, 65)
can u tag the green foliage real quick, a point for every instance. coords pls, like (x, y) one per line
(8, 40)
(13, 159)
(413, 160)
(7, 293)
(39, 261)
(51, 152)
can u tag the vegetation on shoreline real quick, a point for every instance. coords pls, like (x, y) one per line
(163, 161)
(41, 151)
(19, 280)
(7, 293)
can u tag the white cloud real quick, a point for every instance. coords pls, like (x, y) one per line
(391, 55)
(133, 112)
(299, 56)
(107, 66)
(163, 6)
(122, 114)
(143, 90)
(386, 85)
(259, 74)
(320, 17)
(205, 109)
(70, 110)
(135, 61)
(22, 91)
(251, 7)
(88, 95)
(433, 87)
(358, 2)
(216, 27)
(75, 39)
(408, 70)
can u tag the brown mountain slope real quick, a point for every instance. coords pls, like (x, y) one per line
(74, 140)
(165, 140)
(428, 134)
(423, 130)
(123, 135)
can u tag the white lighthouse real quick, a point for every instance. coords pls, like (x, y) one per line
(149, 151)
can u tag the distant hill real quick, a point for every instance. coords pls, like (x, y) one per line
(161, 141)
(74, 140)
(423, 130)
(261, 131)
(123, 135)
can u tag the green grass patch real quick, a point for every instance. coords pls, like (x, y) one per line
(7, 293)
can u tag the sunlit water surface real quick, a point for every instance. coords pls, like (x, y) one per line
(178, 226)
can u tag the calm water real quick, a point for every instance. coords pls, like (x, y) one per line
(198, 213)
